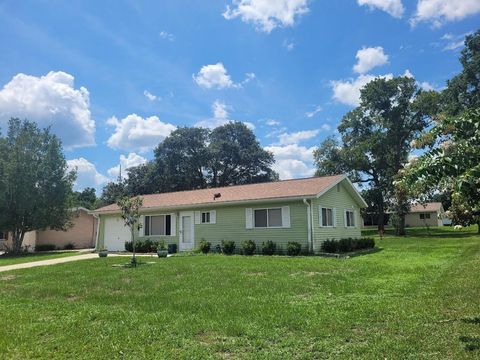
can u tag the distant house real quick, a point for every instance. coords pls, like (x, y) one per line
(429, 214)
(307, 211)
(82, 234)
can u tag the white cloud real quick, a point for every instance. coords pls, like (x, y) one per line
(50, 100)
(126, 162)
(266, 15)
(149, 95)
(87, 174)
(166, 36)
(439, 12)
(296, 137)
(289, 45)
(272, 122)
(453, 42)
(293, 161)
(134, 133)
(393, 7)
(220, 117)
(215, 76)
(348, 91)
(424, 85)
(368, 58)
(314, 112)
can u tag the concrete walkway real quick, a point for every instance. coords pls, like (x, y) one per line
(57, 261)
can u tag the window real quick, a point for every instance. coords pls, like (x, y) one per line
(205, 217)
(268, 218)
(3, 235)
(424, 216)
(327, 217)
(158, 225)
(349, 218)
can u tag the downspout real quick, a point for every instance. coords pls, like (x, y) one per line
(309, 225)
(311, 222)
(96, 216)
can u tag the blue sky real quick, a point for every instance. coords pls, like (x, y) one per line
(113, 78)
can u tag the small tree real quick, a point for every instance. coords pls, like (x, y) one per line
(130, 209)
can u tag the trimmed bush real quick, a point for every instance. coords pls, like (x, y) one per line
(248, 247)
(69, 246)
(205, 246)
(347, 245)
(128, 246)
(228, 247)
(269, 248)
(45, 247)
(294, 248)
(172, 248)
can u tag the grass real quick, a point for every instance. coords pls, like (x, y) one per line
(24, 258)
(418, 298)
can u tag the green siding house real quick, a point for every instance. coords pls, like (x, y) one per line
(307, 211)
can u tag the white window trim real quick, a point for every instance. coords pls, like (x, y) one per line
(353, 216)
(209, 217)
(172, 233)
(267, 227)
(320, 216)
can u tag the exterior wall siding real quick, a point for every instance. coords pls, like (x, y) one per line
(337, 198)
(413, 220)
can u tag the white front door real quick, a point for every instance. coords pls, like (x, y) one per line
(116, 234)
(186, 231)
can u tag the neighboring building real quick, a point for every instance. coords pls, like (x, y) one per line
(307, 211)
(81, 234)
(423, 215)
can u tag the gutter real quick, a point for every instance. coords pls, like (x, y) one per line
(309, 225)
(96, 216)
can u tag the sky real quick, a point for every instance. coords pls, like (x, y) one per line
(114, 78)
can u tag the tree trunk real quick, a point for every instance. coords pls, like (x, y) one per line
(381, 215)
(17, 241)
(134, 259)
(400, 231)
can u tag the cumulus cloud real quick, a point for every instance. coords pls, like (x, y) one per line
(215, 76)
(314, 112)
(292, 161)
(134, 133)
(220, 117)
(50, 100)
(453, 42)
(296, 137)
(166, 36)
(266, 15)
(272, 122)
(348, 91)
(289, 45)
(126, 162)
(87, 174)
(393, 7)
(438, 12)
(368, 58)
(149, 95)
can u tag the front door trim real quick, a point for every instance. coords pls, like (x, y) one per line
(181, 245)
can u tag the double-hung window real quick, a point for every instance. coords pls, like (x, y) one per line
(424, 216)
(265, 218)
(156, 225)
(326, 217)
(349, 218)
(206, 217)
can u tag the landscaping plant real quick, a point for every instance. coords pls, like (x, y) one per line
(130, 212)
(228, 247)
(269, 247)
(248, 247)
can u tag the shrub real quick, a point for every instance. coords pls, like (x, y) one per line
(345, 245)
(205, 246)
(330, 246)
(293, 248)
(269, 248)
(172, 248)
(128, 246)
(45, 247)
(69, 246)
(228, 247)
(248, 247)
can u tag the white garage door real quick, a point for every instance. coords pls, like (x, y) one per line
(116, 233)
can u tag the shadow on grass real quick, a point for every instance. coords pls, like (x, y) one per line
(445, 232)
(352, 253)
(472, 343)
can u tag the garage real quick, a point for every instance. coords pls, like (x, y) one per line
(116, 234)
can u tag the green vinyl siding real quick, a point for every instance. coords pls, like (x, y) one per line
(231, 225)
(337, 198)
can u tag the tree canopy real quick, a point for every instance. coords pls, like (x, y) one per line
(35, 183)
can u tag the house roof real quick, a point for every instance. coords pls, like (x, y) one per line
(427, 207)
(285, 189)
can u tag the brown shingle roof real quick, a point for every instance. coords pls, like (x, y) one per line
(272, 190)
(428, 207)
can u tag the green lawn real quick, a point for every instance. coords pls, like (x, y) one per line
(19, 259)
(412, 300)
